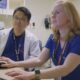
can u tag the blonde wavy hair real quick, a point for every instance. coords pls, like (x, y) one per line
(74, 19)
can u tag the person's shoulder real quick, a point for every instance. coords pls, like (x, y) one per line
(5, 31)
(50, 42)
(51, 37)
(30, 35)
(74, 44)
(75, 39)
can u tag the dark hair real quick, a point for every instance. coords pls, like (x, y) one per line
(25, 11)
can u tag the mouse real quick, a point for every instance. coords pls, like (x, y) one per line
(2, 79)
(1, 62)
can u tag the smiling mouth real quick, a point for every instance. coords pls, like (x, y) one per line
(53, 20)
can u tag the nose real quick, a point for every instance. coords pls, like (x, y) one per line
(18, 20)
(53, 16)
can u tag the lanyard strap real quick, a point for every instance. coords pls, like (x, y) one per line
(17, 51)
(62, 52)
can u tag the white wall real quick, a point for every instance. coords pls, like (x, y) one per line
(39, 9)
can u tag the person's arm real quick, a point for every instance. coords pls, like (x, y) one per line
(38, 61)
(71, 62)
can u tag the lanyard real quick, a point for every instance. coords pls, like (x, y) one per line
(62, 53)
(17, 51)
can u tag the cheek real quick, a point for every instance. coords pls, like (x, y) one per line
(14, 23)
(62, 20)
(23, 25)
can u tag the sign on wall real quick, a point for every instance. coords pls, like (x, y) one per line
(3, 4)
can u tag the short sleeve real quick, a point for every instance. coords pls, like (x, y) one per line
(49, 42)
(75, 45)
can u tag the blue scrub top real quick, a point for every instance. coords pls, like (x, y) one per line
(9, 50)
(73, 47)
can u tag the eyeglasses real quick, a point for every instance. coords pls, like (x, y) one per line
(16, 18)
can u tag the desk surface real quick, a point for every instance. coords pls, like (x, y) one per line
(4, 76)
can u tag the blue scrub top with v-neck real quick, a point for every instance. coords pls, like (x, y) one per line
(9, 50)
(72, 47)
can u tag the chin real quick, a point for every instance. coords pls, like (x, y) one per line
(18, 28)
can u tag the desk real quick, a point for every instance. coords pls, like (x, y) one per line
(4, 76)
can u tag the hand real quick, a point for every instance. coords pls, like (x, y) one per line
(21, 75)
(8, 62)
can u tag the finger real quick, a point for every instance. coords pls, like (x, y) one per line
(9, 72)
(4, 59)
(0, 57)
(19, 77)
(13, 73)
(5, 65)
(15, 78)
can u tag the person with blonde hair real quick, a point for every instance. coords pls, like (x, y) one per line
(63, 47)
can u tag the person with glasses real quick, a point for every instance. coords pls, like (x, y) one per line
(63, 47)
(17, 43)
